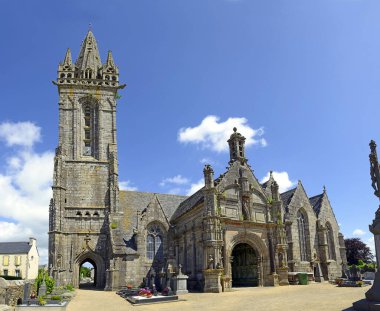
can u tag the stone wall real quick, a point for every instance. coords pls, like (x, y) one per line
(12, 292)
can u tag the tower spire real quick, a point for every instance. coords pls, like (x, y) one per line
(88, 62)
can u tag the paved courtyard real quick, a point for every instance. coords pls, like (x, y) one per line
(306, 298)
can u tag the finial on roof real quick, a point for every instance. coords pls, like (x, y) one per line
(235, 129)
(324, 189)
(68, 60)
(89, 27)
(110, 62)
(270, 174)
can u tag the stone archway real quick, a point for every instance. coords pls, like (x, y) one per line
(244, 266)
(260, 249)
(99, 266)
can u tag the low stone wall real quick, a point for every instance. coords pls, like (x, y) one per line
(12, 292)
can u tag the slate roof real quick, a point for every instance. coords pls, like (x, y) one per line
(189, 203)
(287, 196)
(316, 203)
(14, 247)
(135, 201)
(264, 185)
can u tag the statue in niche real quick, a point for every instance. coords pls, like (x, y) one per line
(210, 264)
(280, 260)
(245, 209)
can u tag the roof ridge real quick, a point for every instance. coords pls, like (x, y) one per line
(156, 193)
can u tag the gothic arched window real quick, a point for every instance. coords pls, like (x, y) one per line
(302, 230)
(89, 130)
(154, 245)
(330, 242)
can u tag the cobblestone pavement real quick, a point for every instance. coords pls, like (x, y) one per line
(315, 296)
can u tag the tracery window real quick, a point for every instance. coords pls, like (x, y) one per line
(330, 242)
(154, 245)
(302, 230)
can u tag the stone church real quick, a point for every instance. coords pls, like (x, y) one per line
(232, 232)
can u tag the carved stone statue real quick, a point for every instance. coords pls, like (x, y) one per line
(210, 264)
(245, 209)
(374, 169)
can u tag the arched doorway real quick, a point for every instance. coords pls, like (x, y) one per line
(99, 271)
(244, 266)
(87, 274)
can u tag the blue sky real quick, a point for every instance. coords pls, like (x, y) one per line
(304, 74)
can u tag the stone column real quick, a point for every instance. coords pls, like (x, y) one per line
(372, 301)
(374, 293)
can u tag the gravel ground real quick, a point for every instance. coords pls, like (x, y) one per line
(315, 296)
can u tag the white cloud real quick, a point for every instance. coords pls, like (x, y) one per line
(195, 187)
(282, 179)
(213, 135)
(14, 232)
(207, 161)
(25, 189)
(20, 133)
(371, 245)
(126, 185)
(175, 191)
(358, 232)
(176, 180)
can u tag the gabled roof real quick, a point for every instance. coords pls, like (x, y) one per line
(133, 201)
(189, 203)
(14, 247)
(287, 196)
(316, 203)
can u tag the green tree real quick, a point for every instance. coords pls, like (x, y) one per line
(49, 281)
(357, 250)
(85, 271)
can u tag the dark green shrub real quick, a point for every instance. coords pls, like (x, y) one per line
(10, 277)
(56, 297)
(49, 281)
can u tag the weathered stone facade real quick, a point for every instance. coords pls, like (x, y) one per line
(233, 232)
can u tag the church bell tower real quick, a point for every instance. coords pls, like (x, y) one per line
(85, 182)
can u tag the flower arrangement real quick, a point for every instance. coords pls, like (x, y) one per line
(359, 283)
(145, 292)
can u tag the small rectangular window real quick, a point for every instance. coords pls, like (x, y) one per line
(6, 261)
(17, 260)
(17, 273)
(5, 272)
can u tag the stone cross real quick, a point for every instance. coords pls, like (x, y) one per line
(374, 293)
(42, 289)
